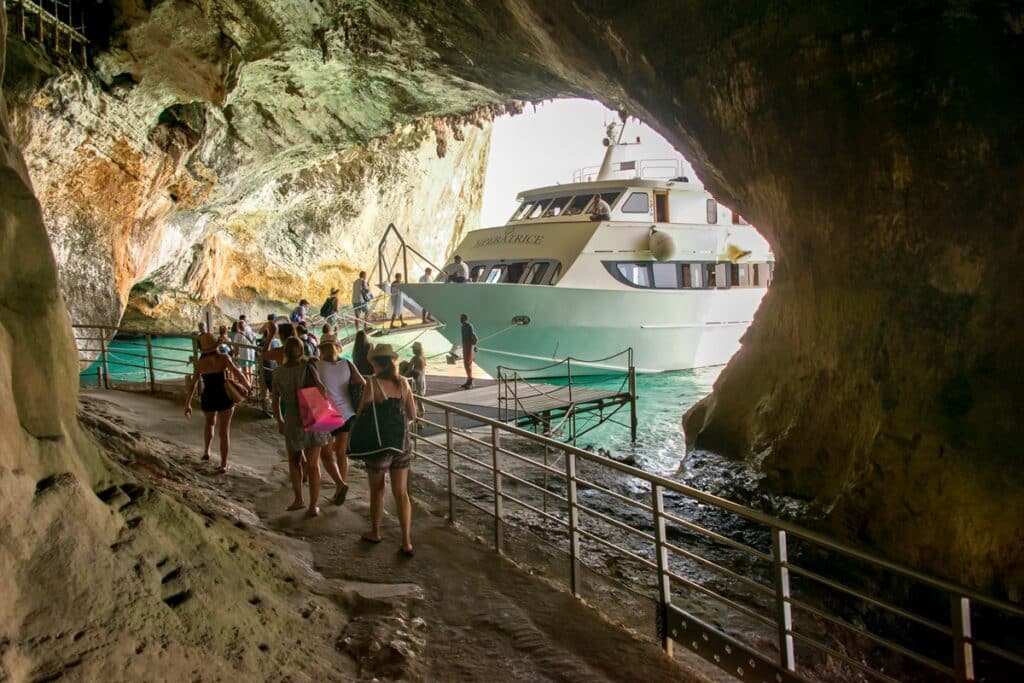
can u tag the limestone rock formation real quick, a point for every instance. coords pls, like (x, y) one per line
(878, 147)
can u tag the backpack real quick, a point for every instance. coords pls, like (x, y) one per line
(328, 308)
(309, 347)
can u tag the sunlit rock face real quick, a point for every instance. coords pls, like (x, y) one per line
(244, 154)
(879, 148)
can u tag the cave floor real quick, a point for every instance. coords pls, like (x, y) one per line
(456, 611)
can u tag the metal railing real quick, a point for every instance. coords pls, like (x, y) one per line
(57, 25)
(511, 406)
(159, 366)
(645, 169)
(762, 598)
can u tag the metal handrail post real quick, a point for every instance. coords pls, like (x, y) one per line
(963, 642)
(103, 358)
(661, 552)
(544, 498)
(499, 525)
(515, 396)
(574, 519)
(451, 475)
(783, 609)
(632, 397)
(149, 362)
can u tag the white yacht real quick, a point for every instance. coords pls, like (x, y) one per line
(669, 273)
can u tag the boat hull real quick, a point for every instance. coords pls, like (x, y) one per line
(667, 330)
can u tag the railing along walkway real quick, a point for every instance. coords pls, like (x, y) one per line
(762, 598)
(57, 25)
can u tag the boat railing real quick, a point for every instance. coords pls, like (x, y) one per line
(644, 169)
(512, 400)
(763, 598)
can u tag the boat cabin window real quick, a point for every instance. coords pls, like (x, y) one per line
(555, 274)
(535, 274)
(636, 274)
(609, 197)
(495, 274)
(477, 272)
(666, 275)
(638, 202)
(514, 271)
(712, 208)
(538, 208)
(522, 212)
(661, 207)
(576, 206)
(556, 206)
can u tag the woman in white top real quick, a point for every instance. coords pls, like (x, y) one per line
(246, 356)
(337, 374)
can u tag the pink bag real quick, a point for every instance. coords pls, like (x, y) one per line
(318, 414)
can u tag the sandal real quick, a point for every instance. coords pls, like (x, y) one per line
(339, 497)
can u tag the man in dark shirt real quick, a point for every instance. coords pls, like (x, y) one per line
(469, 342)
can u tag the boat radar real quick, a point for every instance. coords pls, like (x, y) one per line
(615, 150)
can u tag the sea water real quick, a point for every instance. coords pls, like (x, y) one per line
(662, 398)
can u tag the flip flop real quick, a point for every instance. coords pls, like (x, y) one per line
(339, 497)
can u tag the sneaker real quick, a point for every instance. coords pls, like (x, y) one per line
(467, 385)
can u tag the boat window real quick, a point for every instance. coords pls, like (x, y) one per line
(495, 274)
(638, 202)
(609, 197)
(666, 275)
(477, 273)
(709, 275)
(556, 206)
(636, 274)
(535, 274)
(514, 271)
(576, 206)
(661, 207)
(687, 281)
(522, 211)
(555, 274)
(722, 271)
(538, 208)
(712, 209)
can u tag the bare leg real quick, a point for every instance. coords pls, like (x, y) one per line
(400, 489)
(225, 437)
(211, 423)
(376, 480)
(295, 472)
(313, 470)
(330, 462)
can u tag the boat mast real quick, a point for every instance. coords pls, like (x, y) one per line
(610, 153)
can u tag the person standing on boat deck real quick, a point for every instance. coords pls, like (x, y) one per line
(428, 276)
(214, 369)
(338, 375)
(397, 301)
(602, 211)
(459, 272)
(303, 447)
(469, 342)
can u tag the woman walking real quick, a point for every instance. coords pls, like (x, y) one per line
(215, 369)
(294, 374)
(338, 376)
(389, 396)
(361, 348)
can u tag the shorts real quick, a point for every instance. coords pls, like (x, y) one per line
(467, 355)
(344, 428)
(388, 463)
(360, 308)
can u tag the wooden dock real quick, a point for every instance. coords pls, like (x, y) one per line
(548, 408)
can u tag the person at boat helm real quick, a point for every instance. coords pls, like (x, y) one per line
(602, 211)
(459, 272)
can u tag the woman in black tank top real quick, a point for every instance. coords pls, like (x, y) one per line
(214, 369)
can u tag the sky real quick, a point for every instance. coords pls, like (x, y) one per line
(544, 147)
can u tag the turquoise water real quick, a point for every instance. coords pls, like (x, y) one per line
(662, 398)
